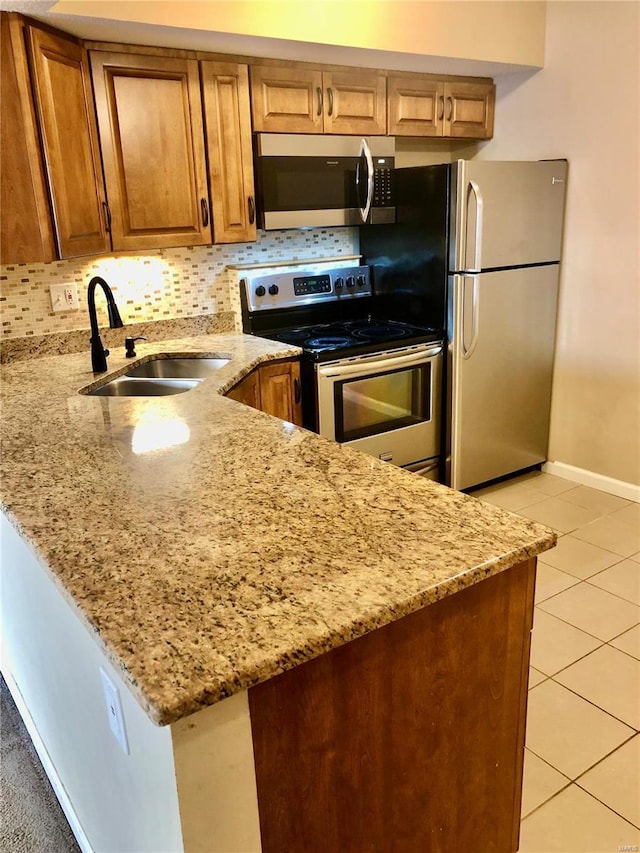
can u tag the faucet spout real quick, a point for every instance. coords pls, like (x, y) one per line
(98, 352)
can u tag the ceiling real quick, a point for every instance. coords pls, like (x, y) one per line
(103, 29)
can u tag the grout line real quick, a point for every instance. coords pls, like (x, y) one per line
(582, 657)
(590, 701)
(621, 597)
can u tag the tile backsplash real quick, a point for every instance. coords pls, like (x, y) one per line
(163, 285)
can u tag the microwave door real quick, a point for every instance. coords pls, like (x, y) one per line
(364, 180)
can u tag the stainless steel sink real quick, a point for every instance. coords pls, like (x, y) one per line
(161, 376)
(178, 368)
(128, 386)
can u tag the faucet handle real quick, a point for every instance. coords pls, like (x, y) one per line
(130, 346)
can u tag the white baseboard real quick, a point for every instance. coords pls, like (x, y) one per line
(47, 763)
(597, 481)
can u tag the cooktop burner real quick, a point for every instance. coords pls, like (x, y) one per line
(355, 336)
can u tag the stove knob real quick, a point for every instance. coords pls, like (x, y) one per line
(260, 291)
(273, 289)
(361, 281)
(339, 283)
(351, 283)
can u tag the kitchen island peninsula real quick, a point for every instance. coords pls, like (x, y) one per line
(303, 648)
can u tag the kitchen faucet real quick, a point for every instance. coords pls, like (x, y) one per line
(98, 352)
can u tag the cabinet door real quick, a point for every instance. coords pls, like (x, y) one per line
(152, 138)
(225, 89)
(62, 90)
(26, 229)
(355, 102)
(247, 391)
(416, 106)
(286, 100)
(469, 110)
(280, 390)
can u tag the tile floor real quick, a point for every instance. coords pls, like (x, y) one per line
(582, 764)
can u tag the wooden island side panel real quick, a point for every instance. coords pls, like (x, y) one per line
(410, 738)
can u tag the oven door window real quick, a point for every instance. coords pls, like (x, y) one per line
(368, 405)
(308, 183)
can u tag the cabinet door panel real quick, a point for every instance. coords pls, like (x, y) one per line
(469, 110)
(286, 100)
(416, 106)
(152, 137)
(225, 88)
(26, 230)
(247, 391)
(355, 103)
(279, 390)
(65, 106)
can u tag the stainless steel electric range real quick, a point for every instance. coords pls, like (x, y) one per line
(367, 381)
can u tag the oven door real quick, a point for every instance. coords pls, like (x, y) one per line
(387, 404)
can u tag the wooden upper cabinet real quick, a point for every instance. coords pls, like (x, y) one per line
(152, 140)
(62, 93)
(425, 106)
(355, 102)
(286, 100)
(225, 92)
(26, 228)
(416, 106)
(469, 109)
(296, 99)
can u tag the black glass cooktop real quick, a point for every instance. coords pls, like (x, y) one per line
(332, 340)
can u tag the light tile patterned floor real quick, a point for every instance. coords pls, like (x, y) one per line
(582, 764)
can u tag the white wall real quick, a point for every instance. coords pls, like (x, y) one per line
(584, 106)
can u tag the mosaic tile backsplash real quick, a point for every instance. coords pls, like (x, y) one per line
(163, 285)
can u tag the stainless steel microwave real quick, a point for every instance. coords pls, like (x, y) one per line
(306, 181)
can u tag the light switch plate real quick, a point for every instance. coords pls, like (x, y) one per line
(114, 710)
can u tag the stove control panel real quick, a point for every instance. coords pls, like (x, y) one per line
(292, 289)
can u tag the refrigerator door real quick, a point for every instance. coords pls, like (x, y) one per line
(506, 214)
(501, 361)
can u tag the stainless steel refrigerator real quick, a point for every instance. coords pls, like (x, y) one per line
(476, 249)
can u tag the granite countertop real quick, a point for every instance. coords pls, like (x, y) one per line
(208, 546)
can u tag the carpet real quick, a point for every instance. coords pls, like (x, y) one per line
(31, 819)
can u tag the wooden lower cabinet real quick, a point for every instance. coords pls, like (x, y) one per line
(273, 388)
(410, 738)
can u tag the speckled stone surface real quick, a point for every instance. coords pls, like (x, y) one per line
(208, 546)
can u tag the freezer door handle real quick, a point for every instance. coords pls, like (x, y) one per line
(467, 351)
(479, 202)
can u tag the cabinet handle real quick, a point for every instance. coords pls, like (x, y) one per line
(204, 205)
(319, 93)
(330, 93)
(441, 113)
(107, 217)
(297, 390)
(450, 113)
(252, 210)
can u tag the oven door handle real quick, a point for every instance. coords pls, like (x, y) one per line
(368, 365)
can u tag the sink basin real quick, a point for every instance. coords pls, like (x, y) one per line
(161, 376)
(127, 386)
(178, 368)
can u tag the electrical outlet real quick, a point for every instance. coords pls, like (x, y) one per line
(64, 297)
(114, 710)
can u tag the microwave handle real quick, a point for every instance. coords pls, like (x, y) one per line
(364, 160)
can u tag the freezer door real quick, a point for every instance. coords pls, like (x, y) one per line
(506, 214)
(501, 360)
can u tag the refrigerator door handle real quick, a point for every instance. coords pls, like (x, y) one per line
(467, 352)
(477, 248)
